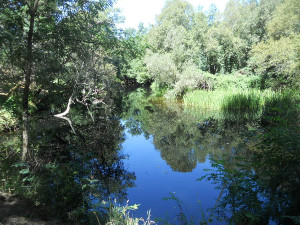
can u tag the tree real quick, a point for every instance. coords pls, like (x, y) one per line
(277, 59)
(278, 62)
(224, 50)
(44, 39)
(285, 20)
(32, 8)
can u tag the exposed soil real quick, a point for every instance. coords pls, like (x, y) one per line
(17, 211)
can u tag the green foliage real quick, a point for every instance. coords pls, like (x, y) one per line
(129, 54)
(233, 81)
(278, 62)
(162, 68)
(138, 71)
(282, 109)
(285, 20)
(10, 112)
(158, 89)
(119, 215)
(7, 121)
(186, 43)
(191, 78)
(225, 52)
(73, 43)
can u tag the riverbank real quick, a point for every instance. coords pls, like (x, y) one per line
(17, 211)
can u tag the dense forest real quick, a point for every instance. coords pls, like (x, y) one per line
(57, 56)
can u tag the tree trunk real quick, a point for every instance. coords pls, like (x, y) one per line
(26, 153)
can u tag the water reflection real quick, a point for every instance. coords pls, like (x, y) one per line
(184, 138)
(254, 157)
(73, 172)
(247, 165)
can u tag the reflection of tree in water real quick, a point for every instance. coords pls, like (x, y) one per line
(260, 182)
(74, 172)
(170, 135)
(182, 138)
(256, 158)
(174, 141)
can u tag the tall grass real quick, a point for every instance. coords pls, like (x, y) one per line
(249, 100)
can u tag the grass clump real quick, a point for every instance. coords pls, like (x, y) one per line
(243, 101)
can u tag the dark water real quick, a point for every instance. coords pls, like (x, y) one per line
(187, 166)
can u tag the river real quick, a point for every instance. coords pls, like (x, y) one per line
(184, 165)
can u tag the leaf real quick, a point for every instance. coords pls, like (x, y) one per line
(20, 164)
(24, 171)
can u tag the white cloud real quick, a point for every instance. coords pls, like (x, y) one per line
(136, 11)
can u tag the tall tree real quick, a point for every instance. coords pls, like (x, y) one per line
(47, 40)
(278, 58)
(32, 10)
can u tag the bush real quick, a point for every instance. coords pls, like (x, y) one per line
(278, 62)
(233, 81)
(190, 79)
(158, 89)
(138, 71)
(161, 68)
(193, 78)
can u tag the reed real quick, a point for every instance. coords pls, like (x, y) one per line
(248, 100)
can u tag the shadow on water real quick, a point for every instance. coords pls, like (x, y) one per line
(260, 182)
(74, 174)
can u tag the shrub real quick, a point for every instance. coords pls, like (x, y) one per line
(190, 79)
(278, 62)
(138, 71)
(233, 81)
(161, 68)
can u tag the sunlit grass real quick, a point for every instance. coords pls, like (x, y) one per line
(230, 100)
(120, 215)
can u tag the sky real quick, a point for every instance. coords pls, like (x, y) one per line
(136, 11)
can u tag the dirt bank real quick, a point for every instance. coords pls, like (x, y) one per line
(17, 211)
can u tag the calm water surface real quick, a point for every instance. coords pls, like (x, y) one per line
(188, 166)
(155, 180)
(212, 167)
